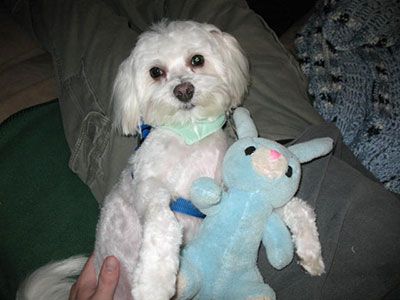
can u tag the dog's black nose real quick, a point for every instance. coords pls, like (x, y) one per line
(184, 91)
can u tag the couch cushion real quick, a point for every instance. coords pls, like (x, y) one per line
(46, 212)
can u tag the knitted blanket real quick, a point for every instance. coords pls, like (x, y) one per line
(350, 52)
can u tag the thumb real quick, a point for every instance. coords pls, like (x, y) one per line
(108, 279)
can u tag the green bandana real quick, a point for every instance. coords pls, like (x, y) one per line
(193, 133)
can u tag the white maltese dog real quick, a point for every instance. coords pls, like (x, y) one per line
(183, 78)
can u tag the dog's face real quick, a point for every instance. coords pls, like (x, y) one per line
(179, 72)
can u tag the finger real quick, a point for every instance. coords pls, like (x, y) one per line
(73, 292)
(86, 284)
(88, 275)
(108, 279)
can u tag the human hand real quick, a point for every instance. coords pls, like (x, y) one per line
(87, 288)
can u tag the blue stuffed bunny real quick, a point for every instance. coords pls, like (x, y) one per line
(259, 175)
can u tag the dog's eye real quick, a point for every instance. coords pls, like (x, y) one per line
(197, 60)
(156, 72)
(289, 172)
(249, 150)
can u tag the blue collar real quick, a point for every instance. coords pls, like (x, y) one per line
(186, 207)
(179, 205)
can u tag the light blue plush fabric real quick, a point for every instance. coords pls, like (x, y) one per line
(350, 52)
(220, 262)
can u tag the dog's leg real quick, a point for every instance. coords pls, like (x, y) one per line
(155, 274)
(300, 218)
(119, 233)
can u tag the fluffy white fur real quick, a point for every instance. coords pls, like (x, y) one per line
(220, 83)
(147, 236)
(136, 223)
(51, 281)
(301, 220)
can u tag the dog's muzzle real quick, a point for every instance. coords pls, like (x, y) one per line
(184, 91)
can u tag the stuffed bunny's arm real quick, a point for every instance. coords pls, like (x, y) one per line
(205, 195)
(278, 242)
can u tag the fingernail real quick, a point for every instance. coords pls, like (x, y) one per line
(111, 264)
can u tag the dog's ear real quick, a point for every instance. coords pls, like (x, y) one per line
(125, 99)
(235, 62)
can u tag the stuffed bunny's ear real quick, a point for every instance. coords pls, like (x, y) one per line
(307, 151)
(244, 124)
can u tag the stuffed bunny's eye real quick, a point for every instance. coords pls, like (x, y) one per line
(289, 172)
(249, 150)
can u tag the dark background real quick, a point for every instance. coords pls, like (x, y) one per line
(281, 14)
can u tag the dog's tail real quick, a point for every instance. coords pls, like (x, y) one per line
(52, 281)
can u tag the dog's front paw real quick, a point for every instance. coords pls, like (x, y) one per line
(301, 219)
(155, 274)
(153, 283)
(309, 252)
(314, 265)
(148, 292)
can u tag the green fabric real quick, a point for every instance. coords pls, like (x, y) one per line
(46, 212)
(192, 133)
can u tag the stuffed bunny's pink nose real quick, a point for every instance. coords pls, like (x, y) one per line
(270, 163)
(274, 155)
